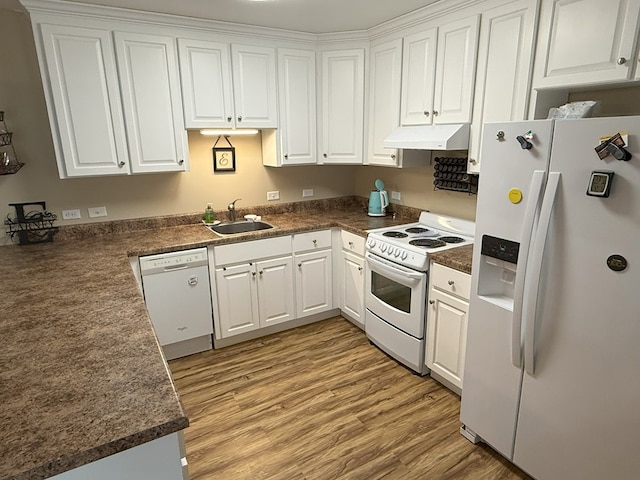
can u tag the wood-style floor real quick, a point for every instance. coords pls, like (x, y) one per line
(320, 402)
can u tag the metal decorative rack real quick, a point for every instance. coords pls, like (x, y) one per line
(8, 161)
(451, 174)
(31, 227)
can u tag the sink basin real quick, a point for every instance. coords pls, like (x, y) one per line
(232, 228)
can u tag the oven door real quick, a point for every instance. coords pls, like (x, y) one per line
(396, 294)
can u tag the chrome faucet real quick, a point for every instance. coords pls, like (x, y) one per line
(232, 210)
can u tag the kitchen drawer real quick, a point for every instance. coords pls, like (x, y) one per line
(352, 242)
(252, 250)
(450, 280)
(303, 242)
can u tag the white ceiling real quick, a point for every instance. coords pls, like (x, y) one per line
(313, 16)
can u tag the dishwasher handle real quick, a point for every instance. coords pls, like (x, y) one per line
(171, 268)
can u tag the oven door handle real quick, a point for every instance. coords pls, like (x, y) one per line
(397, 269)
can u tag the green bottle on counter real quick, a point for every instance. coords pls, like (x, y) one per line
(209, 214)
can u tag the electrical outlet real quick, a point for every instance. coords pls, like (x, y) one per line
(395, 195)
(71, 214)
(97, 212)
(307, 192)
(275, 195)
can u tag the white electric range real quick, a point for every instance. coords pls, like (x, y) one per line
(397, 279)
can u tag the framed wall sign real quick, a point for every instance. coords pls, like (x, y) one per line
(224, 158)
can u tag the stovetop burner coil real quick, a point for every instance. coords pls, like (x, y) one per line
(395, 234)
(427, 242)
(452, 239)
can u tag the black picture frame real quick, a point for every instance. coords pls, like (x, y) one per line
(224, 159)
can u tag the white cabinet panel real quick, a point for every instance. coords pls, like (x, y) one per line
(384, 100)
(418, 77)
(353, 284)
(586, 42)
(91, 138)
(206, 83)
(254, 86)
(275, 291)
(236, 291)
(297, 99)
(152, 102)
(455, 70)
(342, 107)
(504, 69)
(313, 282)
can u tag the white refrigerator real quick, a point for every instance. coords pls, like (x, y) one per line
(552, 373)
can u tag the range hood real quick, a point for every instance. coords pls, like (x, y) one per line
(430, 137)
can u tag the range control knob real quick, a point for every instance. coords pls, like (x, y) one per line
(396, 252)
(383, 247)
(371, 242)
(404, 255)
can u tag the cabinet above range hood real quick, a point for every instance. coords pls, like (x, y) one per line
(430, 137)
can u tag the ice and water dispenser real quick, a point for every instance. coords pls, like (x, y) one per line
(497, 274)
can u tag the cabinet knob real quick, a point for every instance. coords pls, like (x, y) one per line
(239, 118)
(121, 164)
(261, 272)
(286, 155)
(426, 113)
(351, 244)
(450, 282)
(253, 274)
(359, 269)
(621, 61)
(315, 242)
(393, 156)
(324, 155)
(299, 265)
(431, 302)
(229, 118)
(435, 113)
(500, 135)
(180, 162)
(473, 161)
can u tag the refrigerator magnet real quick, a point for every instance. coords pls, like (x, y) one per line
(600, 183)
(515, 195)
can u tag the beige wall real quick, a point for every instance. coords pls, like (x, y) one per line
(136, 196)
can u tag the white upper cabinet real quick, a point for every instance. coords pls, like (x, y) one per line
(418, 77)
(384, 100)
(297, 100)
(205, 70)
(254, 86)
(504, 70)
(438, 71)
(455, 71)
(342, 103)
(150, 85)
(227, 85)
(84, 102)
(586, 42)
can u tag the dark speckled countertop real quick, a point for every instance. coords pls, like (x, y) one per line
(82, 374)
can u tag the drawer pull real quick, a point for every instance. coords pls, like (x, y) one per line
(450, 282)
(431, 302)
(315, 242)
(359, 269)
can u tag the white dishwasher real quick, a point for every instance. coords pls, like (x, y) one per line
(178, 297)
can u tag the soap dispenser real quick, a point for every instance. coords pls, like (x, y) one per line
(209, 214)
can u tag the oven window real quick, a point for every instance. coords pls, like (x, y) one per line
(390, 292)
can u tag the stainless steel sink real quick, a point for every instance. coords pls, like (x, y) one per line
(244, 226)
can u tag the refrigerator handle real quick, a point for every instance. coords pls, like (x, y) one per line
(535, 269)
(535, 189)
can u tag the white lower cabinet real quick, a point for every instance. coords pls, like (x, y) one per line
(253, 285)
(447, 324)
(352, 277)
(313, 277)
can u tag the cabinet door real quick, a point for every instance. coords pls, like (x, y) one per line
(275, 291)
(446, 336)
(313, 283)
(89, 132)
(237, 299)
(586, 42)
(353, 280)
(150, 84)
(384, 100)
(342, 107)
(205, 71)
(455, 70)
(418, 77)
(504, 70)
(297, 98)
(254, 86)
